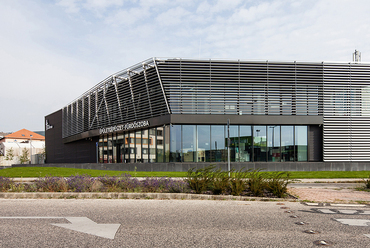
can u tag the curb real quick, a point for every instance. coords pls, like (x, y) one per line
(159, 196)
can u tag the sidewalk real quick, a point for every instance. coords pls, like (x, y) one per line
(330, 190)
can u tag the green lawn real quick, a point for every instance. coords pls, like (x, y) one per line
(65, 172)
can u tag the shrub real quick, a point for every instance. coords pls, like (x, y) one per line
(277, 183)
(178, 186)
(51, 184)
(200, 180)
(80, 183)
(256, 182)
(367, 183)
(5, 184)
(151, 184)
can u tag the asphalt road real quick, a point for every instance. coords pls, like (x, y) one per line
(178, 223)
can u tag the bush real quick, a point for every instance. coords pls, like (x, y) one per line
(51, 184)
(5, 184)
(277, 183)
(123, 183)
(178, 186)
(367, 183)
(80, 183)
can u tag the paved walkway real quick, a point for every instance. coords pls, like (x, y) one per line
(330, 191)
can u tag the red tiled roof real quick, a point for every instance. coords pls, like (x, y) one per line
(25, 134)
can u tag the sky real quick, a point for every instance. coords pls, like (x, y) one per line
(51, 52)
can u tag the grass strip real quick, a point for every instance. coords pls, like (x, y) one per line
(65, 172)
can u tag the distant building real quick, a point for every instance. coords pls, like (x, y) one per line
(12, 145)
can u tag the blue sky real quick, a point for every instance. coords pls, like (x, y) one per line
(53, 51)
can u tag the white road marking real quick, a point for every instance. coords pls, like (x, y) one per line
(353, 222)
(326, 211)
(81, 224)
(365, 212)
(367, 235)
(345, 211)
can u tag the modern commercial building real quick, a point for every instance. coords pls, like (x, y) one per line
(172, 114)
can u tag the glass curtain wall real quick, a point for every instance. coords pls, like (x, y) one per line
(205, 143)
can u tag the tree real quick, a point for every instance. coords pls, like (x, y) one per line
(9, 154)
(24, 157)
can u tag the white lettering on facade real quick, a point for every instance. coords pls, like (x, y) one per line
(123, 127)
(47, 125)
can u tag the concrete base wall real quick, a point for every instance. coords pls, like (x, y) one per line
(183, 167)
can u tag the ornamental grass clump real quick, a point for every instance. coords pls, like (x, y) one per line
(5, 184)
(221, 182)
(238, 183)
(278, 182)
(200, 180)
(256, 182)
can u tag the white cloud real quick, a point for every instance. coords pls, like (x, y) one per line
(61, 50)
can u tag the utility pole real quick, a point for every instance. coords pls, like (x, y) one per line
(228, 145)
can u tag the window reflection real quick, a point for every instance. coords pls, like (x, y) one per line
(217, 143)
(287, 143)
(259, 143)
(205, 143)
(273, 143)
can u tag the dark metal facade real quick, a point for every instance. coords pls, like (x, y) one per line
(337, 92)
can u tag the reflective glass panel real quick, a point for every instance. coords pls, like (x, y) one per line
(234, 143)
(287, 143)
(144, 145)
(175, 154)
(167, 143)
(259, 143)
(160, 144)
(301, 143)
(245, 143)
(152, 143)
(204, 143)
(218, 143)
(138, 146)
(119, 148)
(189, 143)
(273, 143)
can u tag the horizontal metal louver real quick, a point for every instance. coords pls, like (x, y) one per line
(242, 87)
